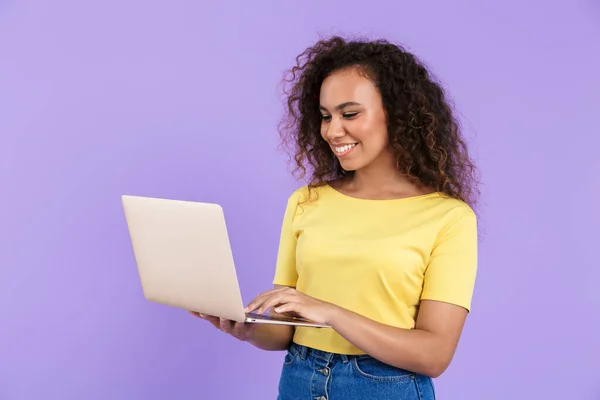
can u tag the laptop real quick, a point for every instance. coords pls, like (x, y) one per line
(184, 259)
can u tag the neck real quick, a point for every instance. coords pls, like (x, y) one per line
(380, 175)
(383, 177)
(372, 179)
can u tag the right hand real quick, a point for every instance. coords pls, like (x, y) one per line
(239, 330)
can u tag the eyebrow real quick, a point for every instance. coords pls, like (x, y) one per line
(343, 105)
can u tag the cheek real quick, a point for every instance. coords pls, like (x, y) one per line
(379, 134)
(376, 145)
(360, 130)
(373, 136)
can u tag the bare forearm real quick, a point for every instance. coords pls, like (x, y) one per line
(272, 337)
(415, 350)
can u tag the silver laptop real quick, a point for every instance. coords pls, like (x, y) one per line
(184, 259)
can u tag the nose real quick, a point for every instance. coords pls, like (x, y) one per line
(335, 129)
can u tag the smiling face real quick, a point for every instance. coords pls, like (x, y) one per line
(354, 122)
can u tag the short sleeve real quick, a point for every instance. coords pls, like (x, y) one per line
(450, 274)
(285, 269)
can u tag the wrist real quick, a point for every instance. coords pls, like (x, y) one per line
(334, 315)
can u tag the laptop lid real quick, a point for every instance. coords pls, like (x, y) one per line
(183, 255)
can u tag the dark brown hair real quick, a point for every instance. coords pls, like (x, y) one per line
(423, 132)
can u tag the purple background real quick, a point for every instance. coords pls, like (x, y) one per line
(178, 99)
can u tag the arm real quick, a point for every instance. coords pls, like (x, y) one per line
(445, 301)
(279, 337)
(270, 336)
(428, 349)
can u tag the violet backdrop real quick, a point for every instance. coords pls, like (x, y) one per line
(180, 99)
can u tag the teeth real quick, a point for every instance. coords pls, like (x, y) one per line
(344, 148)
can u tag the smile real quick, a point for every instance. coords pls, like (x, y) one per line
(343, 150)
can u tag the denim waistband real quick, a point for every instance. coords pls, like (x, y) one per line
(304, 352)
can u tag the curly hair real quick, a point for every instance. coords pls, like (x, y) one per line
(423, 133)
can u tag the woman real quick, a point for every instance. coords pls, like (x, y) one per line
(382, 244)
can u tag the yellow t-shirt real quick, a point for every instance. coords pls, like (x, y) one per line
(378, 258)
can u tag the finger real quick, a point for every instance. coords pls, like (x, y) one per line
(291, 307)
(197, 314)
(258, 300)
(265, 303)
(237, 329)
(277, 301)
(225, 325)
(257, 303)
(276, 298)
(203, 316)
(214, 321)
(241, 329)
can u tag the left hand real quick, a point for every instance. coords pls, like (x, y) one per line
(290, 301)
(239, 330)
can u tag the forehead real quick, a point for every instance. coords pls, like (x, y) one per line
(347, 85)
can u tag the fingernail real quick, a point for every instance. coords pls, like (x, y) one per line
(277, 309)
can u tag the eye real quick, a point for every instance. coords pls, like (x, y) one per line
(325, 117)
(350, 115)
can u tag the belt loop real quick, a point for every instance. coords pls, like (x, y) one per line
(344, 358)
(302, 351)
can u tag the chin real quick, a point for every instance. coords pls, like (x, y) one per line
(347, 167)
(351, 166)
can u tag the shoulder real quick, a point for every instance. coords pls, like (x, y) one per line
(307, 198)
(299, 195)
(454, 215)
(295, 199)
(455, 209)
(306, 194)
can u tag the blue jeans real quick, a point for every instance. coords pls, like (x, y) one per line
(310, 374)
